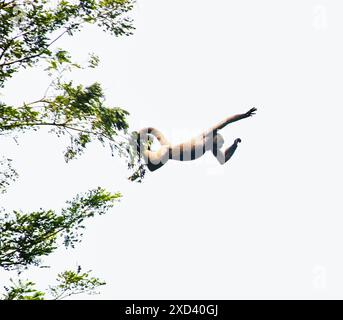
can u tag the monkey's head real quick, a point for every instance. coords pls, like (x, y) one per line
(218, 140)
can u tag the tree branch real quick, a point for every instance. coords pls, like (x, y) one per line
(34, 55)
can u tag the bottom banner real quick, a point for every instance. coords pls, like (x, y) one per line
(168, 309)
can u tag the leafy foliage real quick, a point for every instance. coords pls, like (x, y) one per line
(26, 237)
(7, 174)
(74, 110)
(68, 283)
(72, 283)
(29, 29)
(22, 290)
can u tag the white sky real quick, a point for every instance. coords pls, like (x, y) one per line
(268, 224)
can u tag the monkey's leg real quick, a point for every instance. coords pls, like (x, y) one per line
(224, 157)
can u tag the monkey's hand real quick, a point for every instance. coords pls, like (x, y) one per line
(251, 112)
(237, 141)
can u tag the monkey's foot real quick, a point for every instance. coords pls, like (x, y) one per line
(238, 141)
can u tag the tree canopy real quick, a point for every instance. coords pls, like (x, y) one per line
(29, 33)
(30, 28)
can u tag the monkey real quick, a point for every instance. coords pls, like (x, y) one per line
(209, 140)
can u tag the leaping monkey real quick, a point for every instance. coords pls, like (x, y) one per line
(209, 140)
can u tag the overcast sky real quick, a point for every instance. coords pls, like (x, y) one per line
(267, 224)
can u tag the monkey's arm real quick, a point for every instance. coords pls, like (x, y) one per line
(156, 133)
(231, 119)
(225, 156)
(156, 159)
